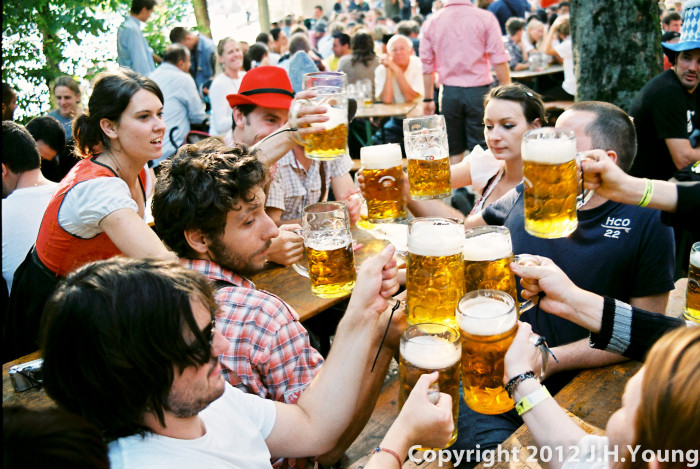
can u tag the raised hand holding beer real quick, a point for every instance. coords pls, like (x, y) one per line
(330, 89)
(376, 281)
(550, 177)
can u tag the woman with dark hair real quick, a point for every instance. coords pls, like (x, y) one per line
(509, 112)
(360, 64)
(97, 211)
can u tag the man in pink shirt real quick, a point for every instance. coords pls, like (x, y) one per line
(460, 43)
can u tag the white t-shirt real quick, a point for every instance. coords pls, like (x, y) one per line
(22, 212)
(565, 51)
(592, 453)
(414, 77)
(236, 424)
(221, 117)
(87, 203)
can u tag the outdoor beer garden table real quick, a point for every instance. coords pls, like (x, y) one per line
(591, 397)
(380, 111)
(281, 281)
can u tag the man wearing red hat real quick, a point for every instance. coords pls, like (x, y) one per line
(259, 109)
(665, 111)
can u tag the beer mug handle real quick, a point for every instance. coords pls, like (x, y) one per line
(520, 259)
(434, 393)
(585, 195)
(299, 268)
(293, 116)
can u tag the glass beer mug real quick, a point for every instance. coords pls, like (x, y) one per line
(551, 182)
(426, 348)
(434, 270)
(488, 321)
(328, 249)
(692, 305)
(331, 92)
(383, 192)
(425, 140)
(488, 252)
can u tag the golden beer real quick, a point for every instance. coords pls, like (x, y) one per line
(426, 348)
(329, 144)
(331, 92)
(331, 268)
(429, 174)
(692, 306)
(383, 192)
(488, 323)
(328, 249)
(550, 183)
(429, 178)
(487, 256)
(434, 270)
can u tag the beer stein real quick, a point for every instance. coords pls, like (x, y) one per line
(426, 348)
(383, 192)
(692, 305)
(434, 270)
(488, 321)
(550, 176)
(331, 92)
(328, 249)
(488, 252)
(425, 140)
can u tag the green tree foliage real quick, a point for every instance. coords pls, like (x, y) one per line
(38, 36)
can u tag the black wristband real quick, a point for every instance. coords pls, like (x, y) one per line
(514, 382)
(428, 100)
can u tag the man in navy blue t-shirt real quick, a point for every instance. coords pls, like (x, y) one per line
(618, 250)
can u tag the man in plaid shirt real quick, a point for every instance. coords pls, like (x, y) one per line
(209, 207)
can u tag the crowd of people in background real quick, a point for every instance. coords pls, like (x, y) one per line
(78, 184)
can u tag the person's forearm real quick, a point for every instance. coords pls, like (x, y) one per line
(369, 392)
(664, 196)
(433, 208)
(408, 93)
(325, 400)
(270, 150)
(428, 85)
(502, 73)
(579, 355)
(549, 424)
(388, 88)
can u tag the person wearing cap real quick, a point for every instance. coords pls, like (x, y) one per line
(665, 111)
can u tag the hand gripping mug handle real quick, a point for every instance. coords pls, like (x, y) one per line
(521, 259)
(293, 117)
(298, 268)
(585, 195)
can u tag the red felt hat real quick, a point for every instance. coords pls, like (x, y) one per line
(265, 87)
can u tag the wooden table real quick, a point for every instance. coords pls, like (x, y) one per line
(296, 290)
(530, 74)
(385, 110)
(590, 398)
(34, 398)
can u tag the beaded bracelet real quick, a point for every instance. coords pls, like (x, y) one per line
(514, 382)
(386, 450)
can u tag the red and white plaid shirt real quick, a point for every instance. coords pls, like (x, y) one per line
(269, 352)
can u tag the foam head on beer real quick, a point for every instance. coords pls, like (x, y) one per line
(485, 316)
(430, 352)
(337, 116)
(381, 156)
(549, 150)
(487, 247)
(695, 258)
(428, 239)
